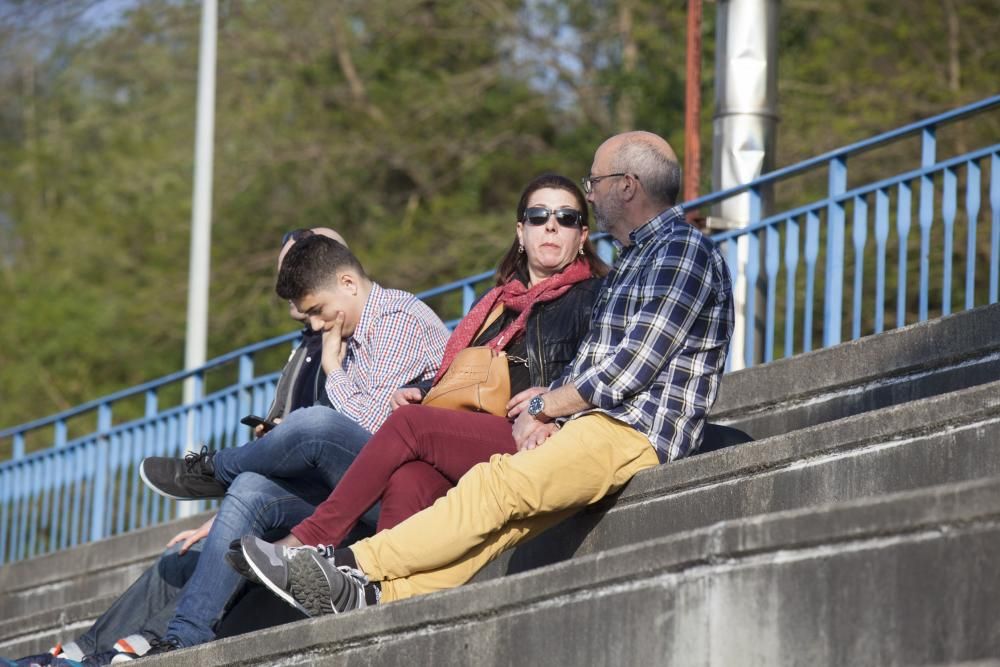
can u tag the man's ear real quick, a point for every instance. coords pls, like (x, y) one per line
(348, 281)
(629, 187)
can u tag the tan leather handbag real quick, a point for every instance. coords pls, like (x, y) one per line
(478, 380)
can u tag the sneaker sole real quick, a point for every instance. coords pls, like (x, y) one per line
(271, 586)
(310, 584)
(156, 489)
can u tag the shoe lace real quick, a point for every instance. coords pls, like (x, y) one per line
(192, 459)
(326, 551)
(166, 643)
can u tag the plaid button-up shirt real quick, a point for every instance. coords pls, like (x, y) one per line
(660, 334)
(399, 340)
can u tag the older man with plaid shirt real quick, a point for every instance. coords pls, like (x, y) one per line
(636, 395)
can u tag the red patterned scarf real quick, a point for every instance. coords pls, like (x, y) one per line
(516, 297)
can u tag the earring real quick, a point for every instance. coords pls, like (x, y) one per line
(581, 251)
(520, 249)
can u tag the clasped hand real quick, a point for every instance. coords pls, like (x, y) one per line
(529, 432)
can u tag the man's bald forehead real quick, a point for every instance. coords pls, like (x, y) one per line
(654, 141)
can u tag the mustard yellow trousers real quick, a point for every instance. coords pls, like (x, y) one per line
(501, 503)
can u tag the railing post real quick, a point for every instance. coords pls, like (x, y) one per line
(972, 215)
(99, 491)
(995, 227)
(791, 267)
(18, 451)
(468, 298)
(903, 222)
(925, 217)
(833, 306)
(860, 238)
(881, 236)
(245, 398)
(949, 207)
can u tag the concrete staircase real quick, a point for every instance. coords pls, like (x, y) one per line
(859, 528)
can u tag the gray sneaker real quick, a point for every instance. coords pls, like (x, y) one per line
(306, 577)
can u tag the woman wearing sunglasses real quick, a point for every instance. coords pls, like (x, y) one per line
(546, 286)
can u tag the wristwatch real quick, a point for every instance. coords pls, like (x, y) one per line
(536, 406)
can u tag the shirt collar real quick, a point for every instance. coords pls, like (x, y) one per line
(658, 226)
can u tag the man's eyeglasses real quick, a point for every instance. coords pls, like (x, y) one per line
(566, 217)
(588, 182)
(296, 235)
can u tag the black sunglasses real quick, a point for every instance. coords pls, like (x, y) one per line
(566, 217)
(295, 235)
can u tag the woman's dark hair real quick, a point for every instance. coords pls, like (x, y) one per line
(515, 264)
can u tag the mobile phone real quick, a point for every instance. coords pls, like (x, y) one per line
(253, 421)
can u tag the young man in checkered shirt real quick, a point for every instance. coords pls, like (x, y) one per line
(375, 340)
(636, 395)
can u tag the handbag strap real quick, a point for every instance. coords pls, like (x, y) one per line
(490, 319)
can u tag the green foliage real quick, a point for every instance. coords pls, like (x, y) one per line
(407, 125)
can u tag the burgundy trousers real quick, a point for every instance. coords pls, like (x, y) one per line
(419, 453)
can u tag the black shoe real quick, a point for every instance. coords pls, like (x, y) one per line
(190, 478)
(165, 645)
(239, 563)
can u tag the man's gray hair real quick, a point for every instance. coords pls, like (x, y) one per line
(659, 174)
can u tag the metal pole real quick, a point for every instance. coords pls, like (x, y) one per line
(201, 219)
(744, 128)
(692, 110)
(201, 203)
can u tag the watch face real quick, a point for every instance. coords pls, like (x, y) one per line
(535, 406)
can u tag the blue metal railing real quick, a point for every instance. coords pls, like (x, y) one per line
(86, 488)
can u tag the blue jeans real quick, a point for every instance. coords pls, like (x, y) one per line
(314, 445)
(148, 604)
(274, 483)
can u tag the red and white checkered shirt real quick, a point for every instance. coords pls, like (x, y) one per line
(399, 340)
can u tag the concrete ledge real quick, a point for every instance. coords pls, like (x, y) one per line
(904, 579)
(917, 361)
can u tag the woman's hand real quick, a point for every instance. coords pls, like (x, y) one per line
(529, 432)
(191, 537)
(405, 396)
(537, 437)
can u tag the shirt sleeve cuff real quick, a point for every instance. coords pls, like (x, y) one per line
(595, 392)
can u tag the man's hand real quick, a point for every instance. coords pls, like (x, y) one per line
(519, 402)
(191, 537)
(258, 430)
(334, 345)
(405, 396)
(290, 540)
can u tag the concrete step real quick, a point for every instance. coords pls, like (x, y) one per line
(892, 368)
(54, 596)
(894, 580)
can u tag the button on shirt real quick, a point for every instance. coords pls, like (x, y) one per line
(660, 334)
(399, 340)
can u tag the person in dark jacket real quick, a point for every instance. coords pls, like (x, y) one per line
(538, 313)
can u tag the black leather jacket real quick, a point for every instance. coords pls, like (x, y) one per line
(555, 330)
